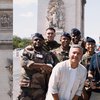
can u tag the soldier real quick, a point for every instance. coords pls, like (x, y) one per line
(50, 43)
(94, 75)
(62, 52)
(90, 50)
(76, 38)
(67, 78)
(36, 69)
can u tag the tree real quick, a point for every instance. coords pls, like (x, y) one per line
(19, 42)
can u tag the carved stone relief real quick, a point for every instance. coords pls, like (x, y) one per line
(55, 14)
(6, 20)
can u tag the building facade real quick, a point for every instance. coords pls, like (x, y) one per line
(6, 54)
(6, 24)
(63, 15)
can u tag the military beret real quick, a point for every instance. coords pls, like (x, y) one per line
(89, 39)
(37, 35)
(66, 35)
(75, 31)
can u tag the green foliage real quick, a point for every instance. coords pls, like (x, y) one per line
(19, 42)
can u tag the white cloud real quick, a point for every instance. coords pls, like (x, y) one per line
(20, 2)
(28, 14)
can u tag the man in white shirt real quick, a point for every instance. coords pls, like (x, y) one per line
(67, 78)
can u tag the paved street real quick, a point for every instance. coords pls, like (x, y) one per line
(4, 74)
(16, 75)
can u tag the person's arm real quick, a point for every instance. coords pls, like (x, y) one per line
(75, 97)
(81, 84)
(30, 65)
(53, 84)
(98, 87)
(55, 96)
(40, 66)
(91, 67)
(90, 74)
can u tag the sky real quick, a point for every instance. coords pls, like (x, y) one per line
(92, 19)
(25, 12)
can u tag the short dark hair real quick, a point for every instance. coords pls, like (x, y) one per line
(51, 28)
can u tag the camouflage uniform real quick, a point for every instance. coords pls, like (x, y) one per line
(37, 80)
(60, 54)
(89, 43)
(50, 45)
(86, 60)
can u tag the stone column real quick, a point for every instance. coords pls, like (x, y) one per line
(6, 53)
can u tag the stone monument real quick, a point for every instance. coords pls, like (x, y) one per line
(6, 24)
(63, 15)
(55, 14)
(6, 50)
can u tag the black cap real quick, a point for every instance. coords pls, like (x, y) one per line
(37, 35)
(75, 31)
(66, 35)
(89, 39)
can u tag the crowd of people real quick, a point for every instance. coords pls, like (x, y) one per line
(69, 70)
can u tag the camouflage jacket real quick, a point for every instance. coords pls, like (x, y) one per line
(60, 54)
(50, 45)
(86, 59)
(34, 78)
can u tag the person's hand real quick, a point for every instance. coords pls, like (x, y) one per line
(93, 85)
(87, 83)
(30, 63)
(24, 83)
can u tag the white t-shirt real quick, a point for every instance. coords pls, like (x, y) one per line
(71, 82)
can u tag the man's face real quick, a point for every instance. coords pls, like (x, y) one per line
(75, 38)
(89, 46)
(50, 35)
(37, 42)
(65, 41)
(75, 55)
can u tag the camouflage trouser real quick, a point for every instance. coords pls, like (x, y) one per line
(32, 94)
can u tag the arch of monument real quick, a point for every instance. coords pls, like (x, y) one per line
(63, 15)
(6, 52)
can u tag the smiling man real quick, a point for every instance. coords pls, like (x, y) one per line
(67, 78)
(36, 67)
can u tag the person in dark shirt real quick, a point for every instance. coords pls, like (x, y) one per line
(94, 75)
(50, 43)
